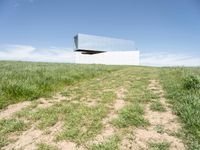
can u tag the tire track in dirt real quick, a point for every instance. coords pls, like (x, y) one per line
(144, 136)
(8, 112)
(33, 136)
(29, 139)
(108, 129)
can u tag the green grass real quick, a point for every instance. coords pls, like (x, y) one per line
(21, 81)
(137, 95)
(79, 121)
(111, 144)
(43, 146)
(82, 122)
(108, 97)
(9, 126)
(183, 93)
(131, 115)
(192, 82)
(159, 146)
(157, 106)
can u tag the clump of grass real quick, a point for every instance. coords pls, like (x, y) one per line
(157, 106)
(9, 126)
(131, 115)
(65, 93)
(159, 146)
(45, 117)
(192, 82)
(44, 146)
(111, 144)
(151, 96)
(3, 141)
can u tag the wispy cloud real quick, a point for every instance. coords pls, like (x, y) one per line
(55, 54)
(169, 59)
(17, 3)
(30, 53)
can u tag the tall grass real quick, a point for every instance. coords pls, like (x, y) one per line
(21, 81)
(182, 86)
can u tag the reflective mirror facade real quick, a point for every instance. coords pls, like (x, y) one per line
(98, 43)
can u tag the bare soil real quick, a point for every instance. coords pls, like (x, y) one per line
(10, 110)
(143, 136)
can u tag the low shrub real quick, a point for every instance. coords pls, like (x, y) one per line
(192, 82)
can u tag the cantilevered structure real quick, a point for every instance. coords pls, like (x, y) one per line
(90, 49)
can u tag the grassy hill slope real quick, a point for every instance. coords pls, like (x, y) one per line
(98, 107)
(20, 81)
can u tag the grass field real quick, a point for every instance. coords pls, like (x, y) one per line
(20, 81)
(98, 107)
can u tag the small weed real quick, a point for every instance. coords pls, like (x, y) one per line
(159, 146)
(157, 106)
(65, 93)
(43, 146)
(159, 129)
(3, 141)
(111, 144)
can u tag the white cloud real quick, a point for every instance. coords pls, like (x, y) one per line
(169, 59)
(17, 3)
(30, 53)
(55, 54)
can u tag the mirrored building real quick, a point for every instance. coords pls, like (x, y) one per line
(92, 49)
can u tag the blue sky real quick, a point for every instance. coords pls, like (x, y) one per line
(167, 32)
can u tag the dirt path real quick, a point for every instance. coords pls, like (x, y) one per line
(162, 126)
(107, 92)
(108, 129)
(29, 139)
